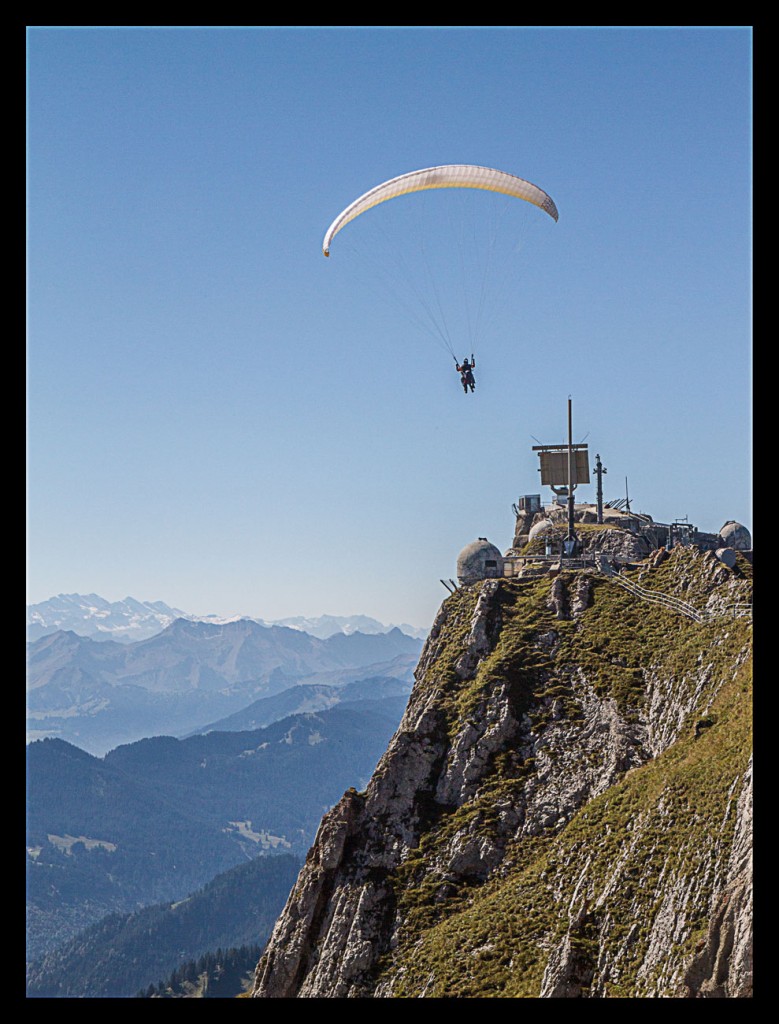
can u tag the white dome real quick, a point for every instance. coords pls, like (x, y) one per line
(734, 535)
(479, 560)
(541, 527)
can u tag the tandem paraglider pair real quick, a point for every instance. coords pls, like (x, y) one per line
(447, 176)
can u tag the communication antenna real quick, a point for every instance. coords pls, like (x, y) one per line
(563, 467)
(600, 469)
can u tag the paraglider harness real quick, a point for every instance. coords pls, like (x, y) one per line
(466, 374)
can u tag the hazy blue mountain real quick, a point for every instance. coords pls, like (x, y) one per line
(99, 695)
(305, 698)
(154, 820)
(125, 953)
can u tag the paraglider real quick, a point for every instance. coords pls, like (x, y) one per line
(438, 314)
(466, 373)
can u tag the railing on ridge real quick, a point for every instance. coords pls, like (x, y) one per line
(675, 604)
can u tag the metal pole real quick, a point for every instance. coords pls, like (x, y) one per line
(599, 470)
(570, 475)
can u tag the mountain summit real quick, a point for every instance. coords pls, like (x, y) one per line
(564, 811)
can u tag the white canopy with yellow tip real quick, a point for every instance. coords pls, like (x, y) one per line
(445, 176)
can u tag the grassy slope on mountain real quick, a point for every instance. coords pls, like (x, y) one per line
(497, 944)
(494, 939)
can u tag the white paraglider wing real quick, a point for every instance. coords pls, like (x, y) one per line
(445, 176)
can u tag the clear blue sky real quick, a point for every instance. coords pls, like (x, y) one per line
(222, 419)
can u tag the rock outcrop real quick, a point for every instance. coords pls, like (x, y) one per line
(564, 810)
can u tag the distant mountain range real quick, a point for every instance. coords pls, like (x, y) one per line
(309, 698)
(154, 820)
(100, 694)
(130, 620)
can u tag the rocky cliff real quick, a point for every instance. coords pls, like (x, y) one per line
(564, 811)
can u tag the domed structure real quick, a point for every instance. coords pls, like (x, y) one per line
(734, 535)
(541, 527)
(479, 560)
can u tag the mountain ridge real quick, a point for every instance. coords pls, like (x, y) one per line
(303, 698)
(564, 811)
(130, 620)
(99, 694)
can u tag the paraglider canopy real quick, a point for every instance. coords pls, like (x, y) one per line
(447, 262)
(445, 176)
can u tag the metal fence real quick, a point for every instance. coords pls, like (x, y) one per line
(675, 604)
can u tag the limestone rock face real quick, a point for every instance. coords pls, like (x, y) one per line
(522, 527)
(619, 544)
(610, 539)
(723, 966)
(338, 918)
(535, 711)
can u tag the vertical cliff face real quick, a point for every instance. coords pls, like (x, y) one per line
(564, 811)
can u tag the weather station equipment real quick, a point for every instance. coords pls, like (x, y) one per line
(563, 467)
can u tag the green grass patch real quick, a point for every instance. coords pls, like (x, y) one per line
(679, 809)
(464, 938)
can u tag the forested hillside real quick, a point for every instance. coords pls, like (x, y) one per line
(154, 820)
(126, 953)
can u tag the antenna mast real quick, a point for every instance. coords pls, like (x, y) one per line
(600, 469)
(563, 467)
(571, 533)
